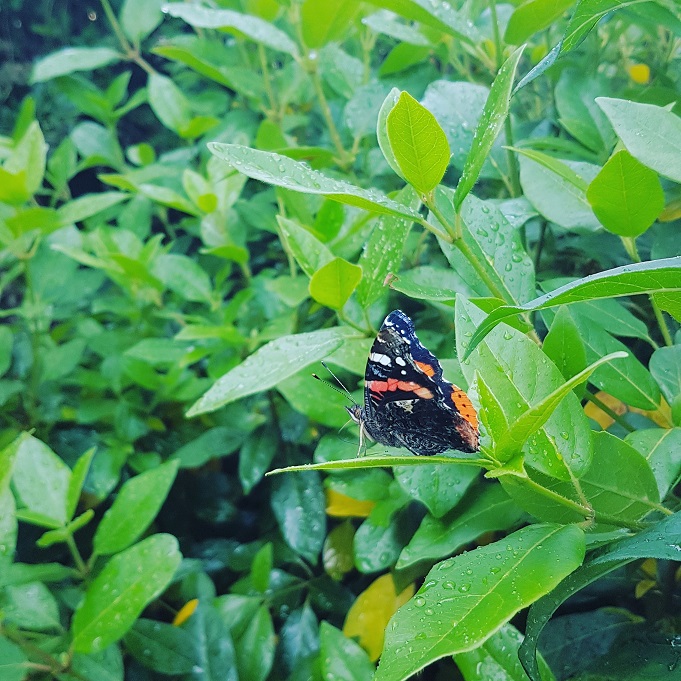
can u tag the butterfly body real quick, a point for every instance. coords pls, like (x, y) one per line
(407, 401)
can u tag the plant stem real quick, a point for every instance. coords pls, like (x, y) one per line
(77, 558)
(612, 414)
(267, 80)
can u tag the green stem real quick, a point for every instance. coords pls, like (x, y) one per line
(618, 522)
(612, 414)
(540, 245)
(343, 159)
(480, 270)
(344, 318)
(77, 558)
(631, 248)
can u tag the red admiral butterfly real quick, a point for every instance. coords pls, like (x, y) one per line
(407, 402)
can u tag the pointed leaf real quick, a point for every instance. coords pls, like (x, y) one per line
(333, 284)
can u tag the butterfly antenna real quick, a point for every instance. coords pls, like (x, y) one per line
(340, 383)
(343, 392)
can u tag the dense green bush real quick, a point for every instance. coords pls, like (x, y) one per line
(199, 204)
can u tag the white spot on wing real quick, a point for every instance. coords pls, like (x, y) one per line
(400, 361)
(380, 358)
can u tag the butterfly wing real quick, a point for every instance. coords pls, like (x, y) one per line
(408, 403)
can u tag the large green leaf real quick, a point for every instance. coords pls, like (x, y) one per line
(135, 507)
(646, 277)
(253, 27)
(342, 658)
(662, 540)
(162, 647)
(307, 250)
(626, 196)
(465, 599)
(13, 662)
(284, 172)
(418, 143)
(490, 123)
(71, 59)
(652, 134)
(271, 363)
(119, 593)
(532, 16)
(561, 447)
(661, 447)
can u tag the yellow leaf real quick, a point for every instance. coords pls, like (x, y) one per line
(185, 612)
(662, 415)
(643, 587)
(341, 506)
(671, 212)
(369, 615)
(602, 419)
(649, 568)
(639, 73)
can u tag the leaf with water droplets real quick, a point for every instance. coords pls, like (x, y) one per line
(124, 587)
(271, 364)
(654, 276)
(285, 172)
(465, 599)
(162, 647)
(490, 123)
(662, 540)
(502, 362)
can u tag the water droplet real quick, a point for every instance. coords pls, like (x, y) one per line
(419, 601)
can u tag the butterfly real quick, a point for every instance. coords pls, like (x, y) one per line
(407, 401)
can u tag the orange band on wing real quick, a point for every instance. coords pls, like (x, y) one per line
(465, 406)
(392, 384)
(426, 368)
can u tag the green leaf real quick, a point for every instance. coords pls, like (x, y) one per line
(213, 645)
(255, 457)
(78, 475)
(665, 366)
(27, 163)
(135, 507)
(662, 450)
(8, 527)
(119, 593)
(490, 124)
(651, 134)
(487, 509)
(418, 143)
(324, 22)
(184, 276)
(382, 254)
(86, 206)
(284, 172)
(560, 168)
(272, 363)
(72, 59)
(626, 379)
(558, 199)
(562, 446)
(626, 196)
(382, 536)
(509, 443)
(619, 484)
(563, 345)
(532, 16)
(139, 19)
(436, 13)
(41, 480)
(465, 599)
(252, 27)
(261, 567)
(438, 488)
(162, 647)
(13, 662)
(341, 657)
(662, 540)
(497, 658)
(298, 505)
(432, 283)
(168, 102)
(308, 251)
(62, 534)
(25, 573)
(255, 647)
(106, 665)
(333, 283)
(646, 277)
(30, 606)
(6, 344)
(211, 444)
